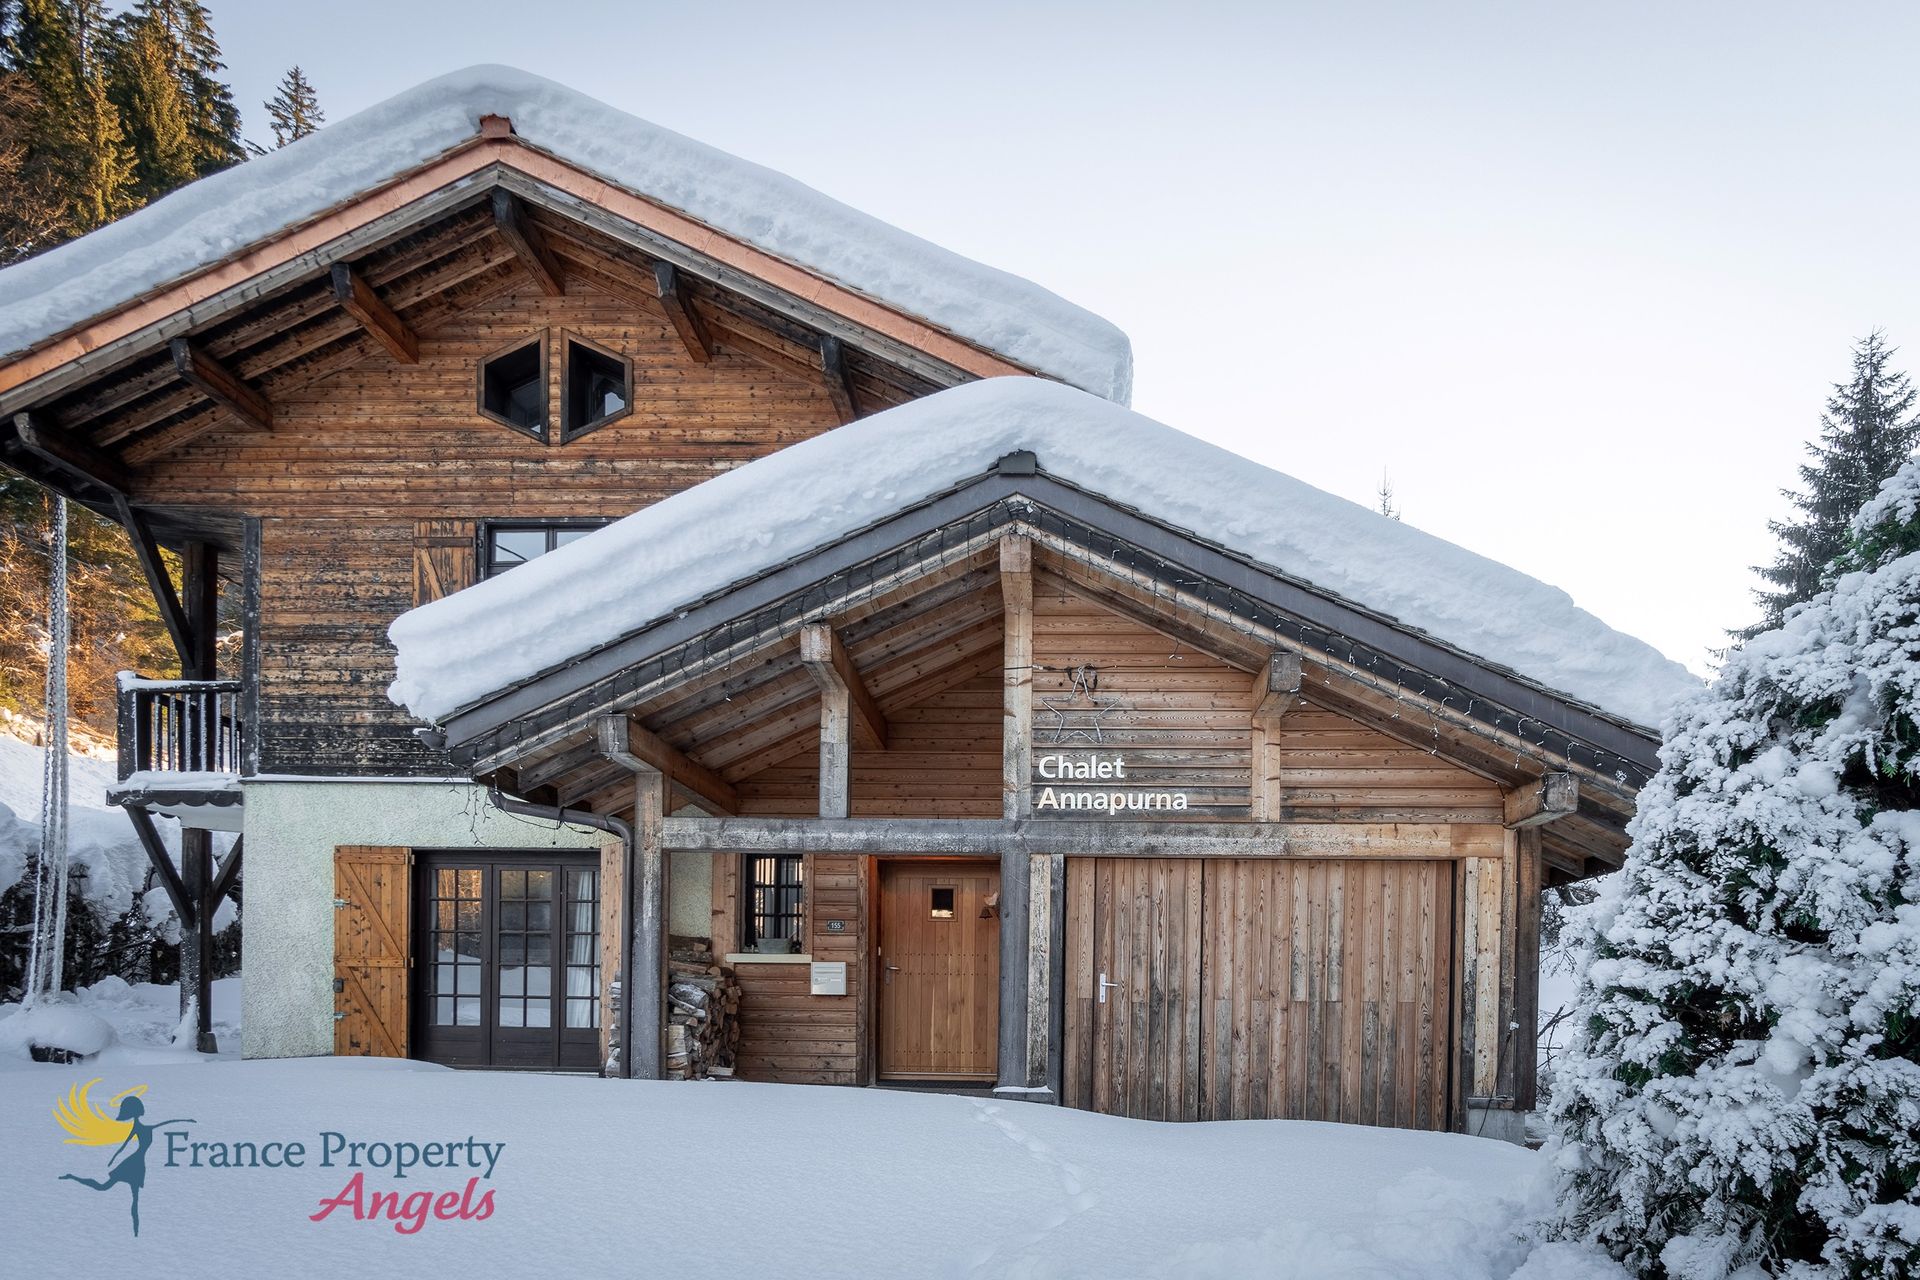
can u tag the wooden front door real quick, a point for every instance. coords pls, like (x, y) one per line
(1257, 988)
(939, 965)
(508, 960)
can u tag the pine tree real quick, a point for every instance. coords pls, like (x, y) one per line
(73, 144)
(1747, 1087)
(295, 109)
(145, 83)
(213, 121)
(1867, 431)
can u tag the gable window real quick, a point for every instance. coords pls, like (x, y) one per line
(513, 387)
(507, 543)
(776, 894)
(596, 387)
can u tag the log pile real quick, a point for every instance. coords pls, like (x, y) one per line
(703, 1012)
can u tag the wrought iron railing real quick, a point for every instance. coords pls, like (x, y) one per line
(180, 726)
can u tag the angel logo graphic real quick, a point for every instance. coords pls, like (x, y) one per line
(92, 1127)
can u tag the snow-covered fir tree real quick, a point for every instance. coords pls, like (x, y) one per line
(1746, 1087)
(1868, 430)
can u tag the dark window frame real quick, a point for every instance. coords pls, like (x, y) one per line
(567, 340)
(541, 339)
(550, 526)
(787, 897)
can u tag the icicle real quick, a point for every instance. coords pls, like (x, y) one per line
(46, 959)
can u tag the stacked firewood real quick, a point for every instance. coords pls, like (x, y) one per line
(703, 1012)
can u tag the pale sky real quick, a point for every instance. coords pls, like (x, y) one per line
(1578, 277)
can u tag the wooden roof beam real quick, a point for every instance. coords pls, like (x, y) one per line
(76, 458)
(833, 367)
(686, 323)
(1554, 796)
(621, 738)
(357, 298)
(1276, 687)
(219, 384)
(527, 242)
(825, 658)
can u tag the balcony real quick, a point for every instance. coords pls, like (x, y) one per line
(183, 747)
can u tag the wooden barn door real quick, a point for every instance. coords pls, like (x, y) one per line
(370, 950)
(1260, 988)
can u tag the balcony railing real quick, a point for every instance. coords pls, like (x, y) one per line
(180, 726)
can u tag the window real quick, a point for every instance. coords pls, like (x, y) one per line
(513, 387)
(941, 905)
(775, 895)
(596, 387)
(509, 543)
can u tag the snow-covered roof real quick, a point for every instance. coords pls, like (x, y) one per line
(218, 216)
(462, 649)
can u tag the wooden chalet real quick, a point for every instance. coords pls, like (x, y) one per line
(1018, 785)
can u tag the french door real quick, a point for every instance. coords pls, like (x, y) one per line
(507, 961)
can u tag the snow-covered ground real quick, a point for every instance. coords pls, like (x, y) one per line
(142, 1016)
(602, 1178)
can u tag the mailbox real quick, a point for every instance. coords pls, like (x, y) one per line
(829, 977)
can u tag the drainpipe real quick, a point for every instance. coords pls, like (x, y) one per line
(643, 947)
(613, 826)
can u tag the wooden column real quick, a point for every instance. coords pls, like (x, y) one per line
(250, 577)
(1526, 966)
(1045, 972)
(202, 565)
(1016, 787)
(645, 988)
(1275, 692)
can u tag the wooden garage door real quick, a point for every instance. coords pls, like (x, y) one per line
(1259, 988)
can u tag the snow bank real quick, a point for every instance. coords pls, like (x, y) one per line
(218, 216)
(100, 840)
(59, 1023)
(140, 1019)
(459, 650)
(924, 1186)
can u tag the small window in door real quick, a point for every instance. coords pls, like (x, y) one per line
(942, 905)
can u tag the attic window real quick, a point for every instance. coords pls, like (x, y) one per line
(513, 387)
(596, 387)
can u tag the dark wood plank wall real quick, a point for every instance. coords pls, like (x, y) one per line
(355, 460)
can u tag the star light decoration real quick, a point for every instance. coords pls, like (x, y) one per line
(1080, 715)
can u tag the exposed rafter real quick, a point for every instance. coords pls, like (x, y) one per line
(833, 367)
(619, 735)
(220, 385)
(686, 323)
(76, 458)
(357, 298)
(1276, 687)
(825, 658)
(527, 242)
(1554, 796)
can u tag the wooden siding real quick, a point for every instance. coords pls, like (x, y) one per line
(357, 461)
(788, 1035)
(1250, 988)
(1179, 715)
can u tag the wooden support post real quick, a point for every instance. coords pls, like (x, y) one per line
(229, 872)
(620, 736)
(1043, 969)
(528, 245)
(162, 863)
(680, 313)
(250, 578)
(1275, 692)
(1016, 786)
(836, 752)
(196, 939)
(357, 298)
(826, 659)
(159, 581)
(221, 385)
(1555, 796)
(833, 367)
(1526, 968)
(646, 966)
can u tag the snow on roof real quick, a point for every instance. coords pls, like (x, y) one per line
(216, 217)
(478, 642)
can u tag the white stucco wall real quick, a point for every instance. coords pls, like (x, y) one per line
(292, 829)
